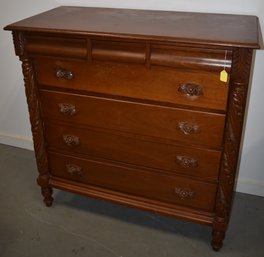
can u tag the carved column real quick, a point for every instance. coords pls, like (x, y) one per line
(234, 123)
(35, 118)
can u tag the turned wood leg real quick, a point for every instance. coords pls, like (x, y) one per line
(47, 194)
(35, 118)
(217, 239)
(46, 190)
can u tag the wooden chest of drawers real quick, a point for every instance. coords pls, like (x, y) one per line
(129, 106)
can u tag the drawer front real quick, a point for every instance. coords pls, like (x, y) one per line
(191, 88)
(69, 47)
(190, 127)
(165, 188)
(124, 148)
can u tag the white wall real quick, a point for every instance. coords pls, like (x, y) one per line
(14, 124)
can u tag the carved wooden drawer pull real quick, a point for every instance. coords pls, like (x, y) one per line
(71, 140)
(65, 74)
(189, 89)
(186, 161)
(67, 109)
(187, 127)
(73, 169)
(184, 193)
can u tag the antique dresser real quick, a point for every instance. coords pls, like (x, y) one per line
(142, 108)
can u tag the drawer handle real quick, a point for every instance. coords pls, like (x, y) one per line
(189, 89)
(71, 140)
(184, 193)
(187, 127)
(65, 74)
(186, 161)
(67, 109)
(73, 169)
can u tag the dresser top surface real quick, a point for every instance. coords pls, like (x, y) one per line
(183, 27)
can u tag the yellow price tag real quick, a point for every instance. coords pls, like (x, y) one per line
(223, 76)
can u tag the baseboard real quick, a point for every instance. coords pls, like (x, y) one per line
(250, 186)
(17, 141)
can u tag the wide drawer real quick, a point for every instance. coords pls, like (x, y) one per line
(123, 147)
(186, 126)
(166, 84)
(165, 188)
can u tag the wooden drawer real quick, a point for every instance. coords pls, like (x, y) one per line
(125, 148)
(185, 126)
(165, 84)
(171, 189)
(69, 47)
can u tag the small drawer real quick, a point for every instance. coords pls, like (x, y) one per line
(192, 127)
(39, 45)
(165, 188)
(124, 148)
(164, 84)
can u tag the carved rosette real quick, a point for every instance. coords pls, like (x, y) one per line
(234, 123)
(188, 127)
(73, 169)
(67, 109)
(35, 119)
(190, 90)
(71, 140)
(186, 161)
(184, 193)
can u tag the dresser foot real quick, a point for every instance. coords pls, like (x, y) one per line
(47, 193)
(46, 190)
(217, 240)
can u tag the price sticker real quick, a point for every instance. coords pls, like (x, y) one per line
(223, 73)
(223, 76)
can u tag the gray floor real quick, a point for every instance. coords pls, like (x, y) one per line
(80, 226)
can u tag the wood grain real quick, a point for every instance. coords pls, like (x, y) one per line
(135, 81)
(143, 119)
(137, 182)
(128, 149)
(184, 27)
